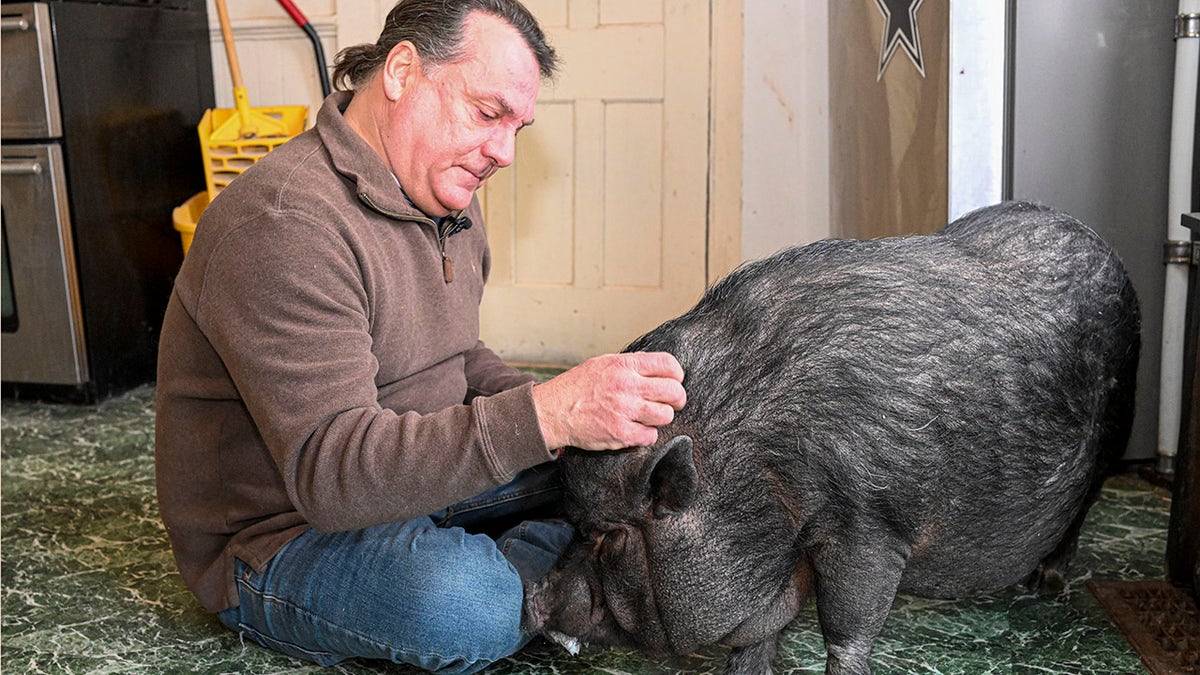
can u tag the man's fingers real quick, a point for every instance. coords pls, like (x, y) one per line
(655, 414)
(666, 392)
(661, 378)
(656, 364)
(611, 401)
(639, 435)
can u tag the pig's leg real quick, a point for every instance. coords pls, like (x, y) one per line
(1113, 431)
(856, 582)
(1050, 577)
(753, 659)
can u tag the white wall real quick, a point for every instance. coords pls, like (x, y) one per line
(785, 144)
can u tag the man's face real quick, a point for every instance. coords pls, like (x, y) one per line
(454, 124)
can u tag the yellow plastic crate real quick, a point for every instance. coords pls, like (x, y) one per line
(186, 215)
(226, 156)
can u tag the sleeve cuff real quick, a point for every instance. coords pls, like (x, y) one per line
(512, 438)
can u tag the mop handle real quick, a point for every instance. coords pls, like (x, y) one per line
(235, 70)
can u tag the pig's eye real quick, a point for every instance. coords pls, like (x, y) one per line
(611, 544)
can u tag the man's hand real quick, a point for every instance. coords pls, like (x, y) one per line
(611, 401)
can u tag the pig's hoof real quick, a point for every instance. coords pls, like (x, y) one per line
(1047, 581)
(846, 662)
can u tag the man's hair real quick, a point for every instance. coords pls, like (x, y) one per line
(435, 27)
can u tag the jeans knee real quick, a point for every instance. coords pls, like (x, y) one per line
(437, 598)
(472, 608)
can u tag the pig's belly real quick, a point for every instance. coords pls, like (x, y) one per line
(972, 563)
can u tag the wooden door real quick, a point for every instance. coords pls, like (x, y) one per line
(598, 230)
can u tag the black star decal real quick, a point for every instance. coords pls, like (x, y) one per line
(900, 30)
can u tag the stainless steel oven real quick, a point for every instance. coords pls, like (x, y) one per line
(43, 324)
(98, 142)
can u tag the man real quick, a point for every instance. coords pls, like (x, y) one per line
(332, 437)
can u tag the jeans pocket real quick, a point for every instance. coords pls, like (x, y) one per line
(321, 658)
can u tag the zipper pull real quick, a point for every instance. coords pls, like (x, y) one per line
(448, 227)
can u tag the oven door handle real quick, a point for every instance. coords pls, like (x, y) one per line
(14, 23)
(23, 167)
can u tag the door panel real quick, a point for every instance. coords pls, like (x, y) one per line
(598, 230)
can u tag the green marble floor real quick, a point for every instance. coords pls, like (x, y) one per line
(88, 585)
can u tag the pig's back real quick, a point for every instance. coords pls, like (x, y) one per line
(952, 389)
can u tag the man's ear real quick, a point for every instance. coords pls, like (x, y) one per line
(398, 68)
(671, 480)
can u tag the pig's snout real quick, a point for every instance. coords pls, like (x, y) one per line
(562, 602)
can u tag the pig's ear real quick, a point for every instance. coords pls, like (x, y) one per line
(672, 480)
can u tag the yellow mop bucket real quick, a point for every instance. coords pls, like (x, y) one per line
(232, 140)
(186, 215)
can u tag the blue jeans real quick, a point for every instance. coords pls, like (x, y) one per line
(436, 592)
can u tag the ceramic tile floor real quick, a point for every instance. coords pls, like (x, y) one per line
(88, 585)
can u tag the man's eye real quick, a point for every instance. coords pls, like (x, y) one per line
(486, 116)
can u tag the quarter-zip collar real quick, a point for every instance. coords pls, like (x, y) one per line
(371, 179)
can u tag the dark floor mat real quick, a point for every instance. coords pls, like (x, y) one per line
(1161, 621)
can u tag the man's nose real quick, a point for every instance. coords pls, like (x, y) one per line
(501, 147)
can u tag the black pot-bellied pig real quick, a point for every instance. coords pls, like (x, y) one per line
(928, 415)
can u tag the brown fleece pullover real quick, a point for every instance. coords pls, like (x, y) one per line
(316, 368)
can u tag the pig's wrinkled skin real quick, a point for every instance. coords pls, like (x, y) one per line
(929, 415)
